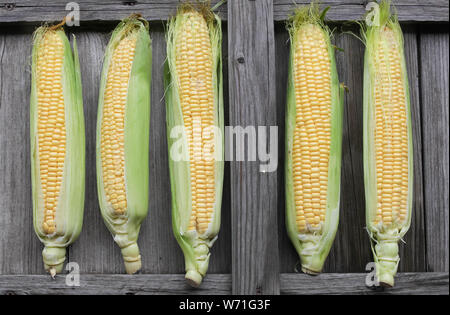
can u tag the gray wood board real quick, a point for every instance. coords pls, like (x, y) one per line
(252, 103)
(413, 249)
(104, 284)
(35, 11)
(297, 284)
(349, 10)
(354, 283)
(20, 251)
(434, 66)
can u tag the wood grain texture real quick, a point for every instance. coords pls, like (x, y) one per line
(434, 65)
(429, 283)
(104, 284)
(413, 249)
(349, 10)
(426, 283)
(252, 103)
(20, 249)
(36, 11)
(351, 230)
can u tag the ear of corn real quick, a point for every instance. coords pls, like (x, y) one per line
(313, 139)
(388, 168)
(57, 144)
(194, 101)
(123, 136)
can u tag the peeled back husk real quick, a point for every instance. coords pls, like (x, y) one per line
(195, 244)
(70, 202)
(384, 38)
(125, 226)
(313, 243)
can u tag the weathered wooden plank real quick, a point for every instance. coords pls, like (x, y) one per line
(434, 56)
(252, 103)
(287, 255)
(349, 10)
(342, 257)
(35, 11)
(428, 283)
(413, 250)
(105, 284)
(20, 249)
(351, 249)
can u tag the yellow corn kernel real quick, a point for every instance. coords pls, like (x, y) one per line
(311, 146)
(391, 134)
(194, 67)
(51, 124)
(112, 129)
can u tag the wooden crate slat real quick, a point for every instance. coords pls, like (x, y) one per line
(252, 103)
(349, 10)
(434, 65)
(428, 283)
(413, 249)
(20, 250)
(352, 222)
(36, 11)
(105, 284)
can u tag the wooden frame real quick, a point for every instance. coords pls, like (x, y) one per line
(253, 254)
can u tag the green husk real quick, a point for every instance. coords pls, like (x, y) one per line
(313, 248)
(125, 228)
(70, 206)
(384, 241)
(195, 247)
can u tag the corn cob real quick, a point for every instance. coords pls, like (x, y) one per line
(123, 135)
(388, 148)
(313, 139)
(57, 144)
(193, 80)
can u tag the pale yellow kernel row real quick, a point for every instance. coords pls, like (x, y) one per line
(312, 134)
(113, 124)
(51, 124)
(391, 138)
(194, 68)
